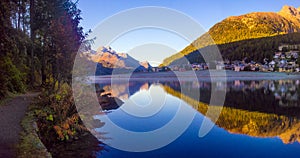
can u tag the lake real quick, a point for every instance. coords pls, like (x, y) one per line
(163, 117)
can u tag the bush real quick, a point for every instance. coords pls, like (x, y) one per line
(57, 115)
(11, 78)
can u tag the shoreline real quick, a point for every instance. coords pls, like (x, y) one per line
(212, 75)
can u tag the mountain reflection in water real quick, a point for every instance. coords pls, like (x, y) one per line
(255, 108)
(262, 114)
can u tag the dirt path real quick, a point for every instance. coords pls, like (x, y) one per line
(11, 115)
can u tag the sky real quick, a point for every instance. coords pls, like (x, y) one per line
(165, 43)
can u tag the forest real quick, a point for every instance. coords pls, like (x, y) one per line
(38, 42)
(254, 49)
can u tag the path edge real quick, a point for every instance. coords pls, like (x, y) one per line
(30, 144)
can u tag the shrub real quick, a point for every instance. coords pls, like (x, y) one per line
(11, 78)
(57, 115)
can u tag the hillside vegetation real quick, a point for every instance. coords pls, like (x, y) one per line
(244, 27)
(254, 49)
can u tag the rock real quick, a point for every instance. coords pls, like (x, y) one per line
(109, 103)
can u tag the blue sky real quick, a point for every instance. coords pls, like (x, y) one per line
(205, 12)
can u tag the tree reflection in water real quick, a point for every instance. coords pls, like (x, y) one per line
(255, 108)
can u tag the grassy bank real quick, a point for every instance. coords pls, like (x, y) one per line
(30, 144)
(53, 128)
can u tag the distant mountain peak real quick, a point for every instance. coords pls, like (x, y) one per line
(287, 8)
(145, 64)
(109, 50)
(290, 10)
(108, 59)
(123, 55)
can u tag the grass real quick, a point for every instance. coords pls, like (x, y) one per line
(30, 144)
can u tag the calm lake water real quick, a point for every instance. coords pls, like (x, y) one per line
(260, 118)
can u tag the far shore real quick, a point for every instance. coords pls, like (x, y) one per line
(206, 75)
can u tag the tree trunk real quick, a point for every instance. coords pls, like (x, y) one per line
(43, 71)
(19, 15)
(32, 37)
(24, 16)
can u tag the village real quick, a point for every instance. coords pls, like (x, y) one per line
(286, 59)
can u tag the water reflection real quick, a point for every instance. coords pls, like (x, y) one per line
(256, 108)
(106, 99)
(264, 109)
(278, 97)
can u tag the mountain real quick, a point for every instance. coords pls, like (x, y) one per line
(244, 27)
(256, 49)
(109, 61)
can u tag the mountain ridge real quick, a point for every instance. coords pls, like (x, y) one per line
(109, 61)
(243, 27)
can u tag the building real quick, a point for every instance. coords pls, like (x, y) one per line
(220, 66)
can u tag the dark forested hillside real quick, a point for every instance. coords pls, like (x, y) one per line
(253, 49)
